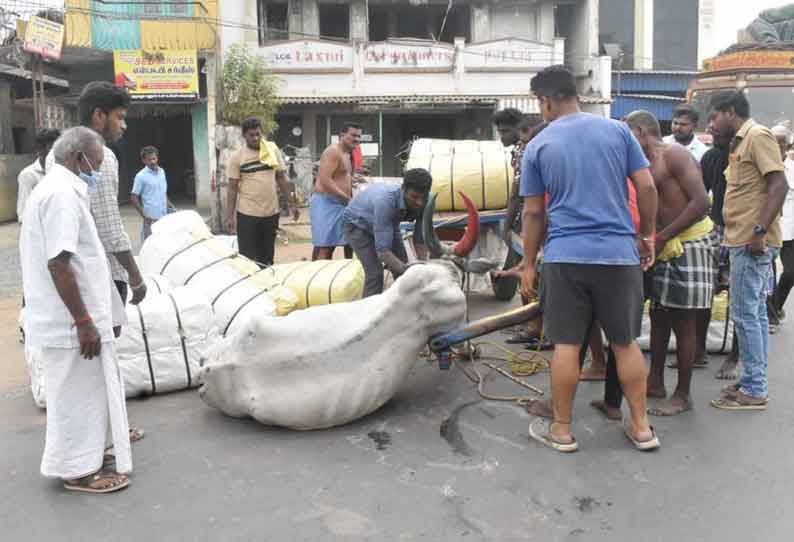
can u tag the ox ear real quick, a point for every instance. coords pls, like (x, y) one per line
(463, 247)
(432, 242)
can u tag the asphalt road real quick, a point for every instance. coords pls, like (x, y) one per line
(396, 475)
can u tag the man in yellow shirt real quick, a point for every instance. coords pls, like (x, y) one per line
(756, 189)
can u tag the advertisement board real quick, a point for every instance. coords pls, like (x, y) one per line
(157, 76)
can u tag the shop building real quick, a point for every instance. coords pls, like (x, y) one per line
(405, 69)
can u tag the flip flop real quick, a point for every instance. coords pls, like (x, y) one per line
(85, 484)
(136, 434)
(734, 399)
(540, 430)
(642, 445)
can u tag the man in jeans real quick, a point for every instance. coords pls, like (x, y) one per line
(756, 189)
(371, 224)
(592, 258)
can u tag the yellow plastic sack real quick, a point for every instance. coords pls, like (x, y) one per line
(322, 282)
(481, 169)
(283, 297)
(719, 306)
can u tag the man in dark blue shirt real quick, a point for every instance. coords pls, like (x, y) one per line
(372, 226)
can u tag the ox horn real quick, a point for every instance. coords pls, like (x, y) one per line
(428, 231)
(463, 247)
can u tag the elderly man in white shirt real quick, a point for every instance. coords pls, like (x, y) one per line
(71, 304)
(685, 120)
(29, 177)
(786, 282)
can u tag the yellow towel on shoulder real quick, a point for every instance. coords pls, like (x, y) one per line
(675, 246)
(270, 155)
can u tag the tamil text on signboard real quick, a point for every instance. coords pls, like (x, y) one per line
(44, 37)
(157, 76)
(388, 56)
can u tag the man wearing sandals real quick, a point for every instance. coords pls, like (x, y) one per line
(592, 256)
(756, 190)
(71, 304)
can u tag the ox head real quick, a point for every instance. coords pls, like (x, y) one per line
(459, 252)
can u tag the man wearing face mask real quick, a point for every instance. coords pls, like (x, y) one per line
(71, 308)
(103, 108)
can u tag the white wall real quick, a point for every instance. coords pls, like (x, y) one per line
(514, 21)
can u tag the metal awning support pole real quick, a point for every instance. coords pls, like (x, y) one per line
(380, 143)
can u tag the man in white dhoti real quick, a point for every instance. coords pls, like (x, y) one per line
(69, 316)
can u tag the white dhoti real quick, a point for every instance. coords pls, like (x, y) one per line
(85, 398)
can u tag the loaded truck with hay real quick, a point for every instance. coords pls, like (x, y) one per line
(761, 64)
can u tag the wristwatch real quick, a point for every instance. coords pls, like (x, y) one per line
(759, 230)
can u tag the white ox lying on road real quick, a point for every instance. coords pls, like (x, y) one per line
(329, 365)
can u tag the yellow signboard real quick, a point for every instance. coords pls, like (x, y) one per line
(157, 76)
(751, 60)
(44, 37)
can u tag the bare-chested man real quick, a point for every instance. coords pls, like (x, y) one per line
(682, 280)
(332, 192)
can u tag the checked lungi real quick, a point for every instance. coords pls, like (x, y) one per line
(686, 282)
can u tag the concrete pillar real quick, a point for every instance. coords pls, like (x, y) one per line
(6, 133)
(582, 47)
(707, 37)
(358, 20)
(546, 22)
(643, 34)
(311, 18)
(309, 127)
(480, 23)
(558, 51)
(204, 185)
(295, 19)
(234, 12)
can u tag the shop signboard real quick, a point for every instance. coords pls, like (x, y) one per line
(392, 56)
(507, 55)
(308, 56)
(158, 76)
(43, 37)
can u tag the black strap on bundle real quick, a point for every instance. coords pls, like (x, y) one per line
(180, 251)
(213, 262)
(297, 268)
(156, 282)
(482, 175)
(246, 302)
(181, 339)
(331, 284)
(235, 283)
(146, 345)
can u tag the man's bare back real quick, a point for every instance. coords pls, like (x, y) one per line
(336, 172)
(679, 183)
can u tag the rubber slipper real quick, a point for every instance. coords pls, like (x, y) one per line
(540, 430)
(85, 483)
(642, 445)
(738, 401)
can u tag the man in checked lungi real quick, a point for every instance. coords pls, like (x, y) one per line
(681, 282)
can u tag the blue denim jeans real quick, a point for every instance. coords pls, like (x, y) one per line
(749, 288)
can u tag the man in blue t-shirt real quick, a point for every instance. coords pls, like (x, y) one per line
(592, 257)
(150, 191)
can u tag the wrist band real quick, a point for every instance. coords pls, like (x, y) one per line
(137, 286)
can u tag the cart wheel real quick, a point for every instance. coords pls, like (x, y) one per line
(505, 288)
